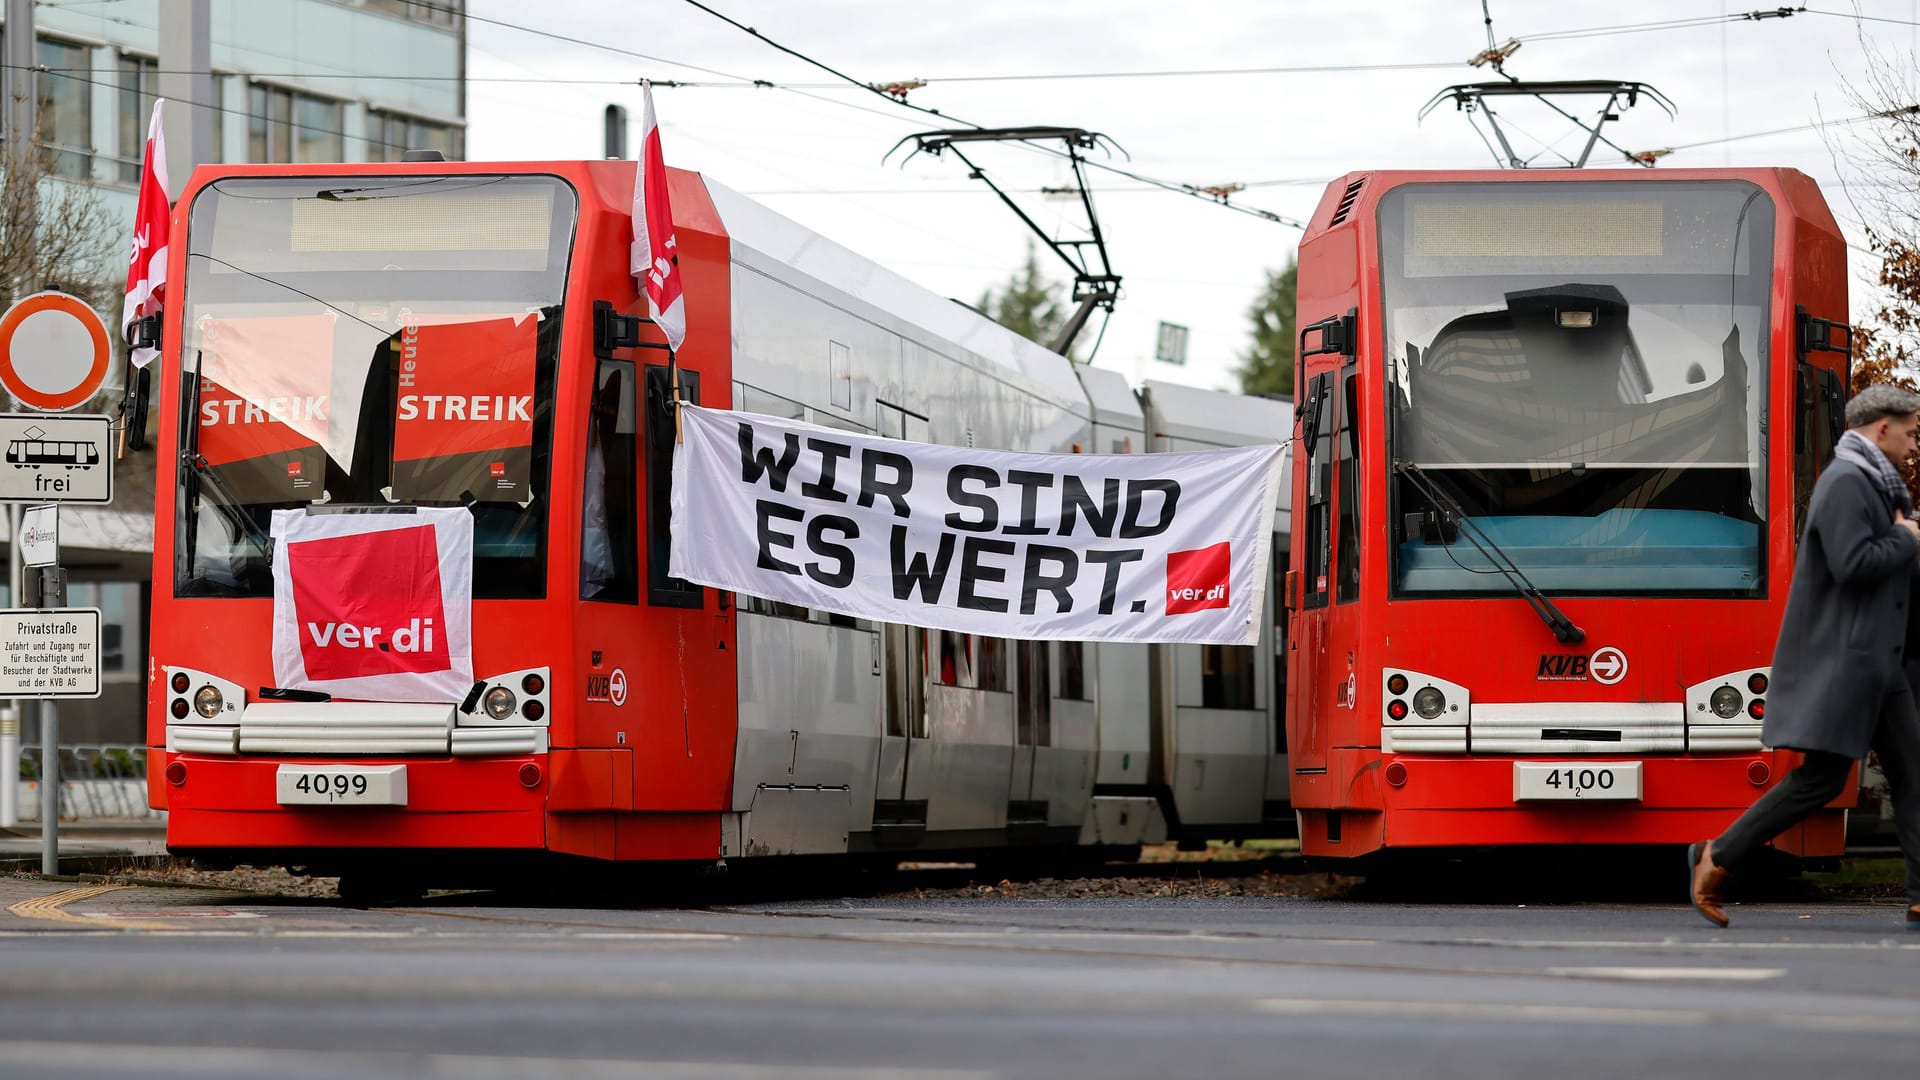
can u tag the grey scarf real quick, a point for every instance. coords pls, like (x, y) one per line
(1858, 449)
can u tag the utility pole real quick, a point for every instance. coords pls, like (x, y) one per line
(20, 216)
(186, 82)
(21, 100)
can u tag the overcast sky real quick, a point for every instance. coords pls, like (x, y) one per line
(813, 152)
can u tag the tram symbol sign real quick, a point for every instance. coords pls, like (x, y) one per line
(56, 458)
(617, 688)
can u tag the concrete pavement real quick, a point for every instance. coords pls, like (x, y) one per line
(89, 847)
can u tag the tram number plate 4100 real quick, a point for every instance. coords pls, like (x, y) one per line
(1595, 781)
(341, 785)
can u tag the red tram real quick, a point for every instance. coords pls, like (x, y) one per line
(1555, 438)
(410, 337)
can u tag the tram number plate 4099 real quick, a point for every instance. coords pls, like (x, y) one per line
(1586, 781)
(341, 785)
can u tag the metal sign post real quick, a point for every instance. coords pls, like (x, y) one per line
(10, 716)
(54, 357)
(53, 594)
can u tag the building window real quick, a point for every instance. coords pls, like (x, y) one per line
(390, 135)
(283, 125)
(431, 12)
(64, 95)
(139, 86)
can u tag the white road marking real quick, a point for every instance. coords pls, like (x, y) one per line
(251, 1062)
(1524, 1013)
(1678, 974)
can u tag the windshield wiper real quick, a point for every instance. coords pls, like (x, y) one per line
(1564, 631)
(195, 466)
(228, 502)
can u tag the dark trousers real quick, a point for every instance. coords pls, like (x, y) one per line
(1823, 776)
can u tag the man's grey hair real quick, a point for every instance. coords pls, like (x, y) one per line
(1879, 401)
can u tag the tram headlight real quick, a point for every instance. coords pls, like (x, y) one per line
(499, 703)
(1429, 702)
(1725, 703)
(208, 701)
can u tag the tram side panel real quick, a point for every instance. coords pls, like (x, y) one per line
(856, 734)
(1218, 715)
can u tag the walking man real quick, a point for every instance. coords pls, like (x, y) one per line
(1839, 685)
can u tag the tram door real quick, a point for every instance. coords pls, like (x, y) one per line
(1032, 719)
(906, 719)
(906, 649)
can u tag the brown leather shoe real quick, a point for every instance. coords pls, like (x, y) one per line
(1708, 879)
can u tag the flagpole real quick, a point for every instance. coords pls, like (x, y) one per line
(673, 376)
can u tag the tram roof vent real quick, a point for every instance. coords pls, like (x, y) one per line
(423, 155)
(1346, 202)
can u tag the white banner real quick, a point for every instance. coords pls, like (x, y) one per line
(374, 606)
(1077, 547)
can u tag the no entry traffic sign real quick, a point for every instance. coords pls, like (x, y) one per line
(53, 352)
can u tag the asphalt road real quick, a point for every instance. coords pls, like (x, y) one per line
(189, 983)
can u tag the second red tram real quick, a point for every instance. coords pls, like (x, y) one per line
(1555, 436)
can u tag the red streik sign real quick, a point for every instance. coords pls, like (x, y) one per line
(369, 604)
(264, 402)
(463, 411)
(1197, 579)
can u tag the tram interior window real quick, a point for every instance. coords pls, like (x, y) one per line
(956, 659)
(1816, 429)
(991, 666)
(1033, 710)
(1227, 677)
(1318, 435)
(663, 589)
(1347, 566)
(609, 546)
(1073, 670)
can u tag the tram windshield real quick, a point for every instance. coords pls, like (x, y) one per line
(370, 341)
(1583, 368)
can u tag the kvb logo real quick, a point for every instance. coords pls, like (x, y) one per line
(1197, 579)
(369, 604)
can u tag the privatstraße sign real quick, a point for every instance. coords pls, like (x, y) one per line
(50, 653)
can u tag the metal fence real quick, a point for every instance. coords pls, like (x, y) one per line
(105, 781)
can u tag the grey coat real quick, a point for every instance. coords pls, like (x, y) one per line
(1839, 654)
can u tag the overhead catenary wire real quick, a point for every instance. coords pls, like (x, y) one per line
(1181, 188)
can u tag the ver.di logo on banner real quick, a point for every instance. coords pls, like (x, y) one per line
(374, 606)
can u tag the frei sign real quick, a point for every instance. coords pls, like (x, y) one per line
(54, 356)
(1121, 547)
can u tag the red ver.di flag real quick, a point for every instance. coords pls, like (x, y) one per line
(374, 607)
(654, 259)
(147, 264)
